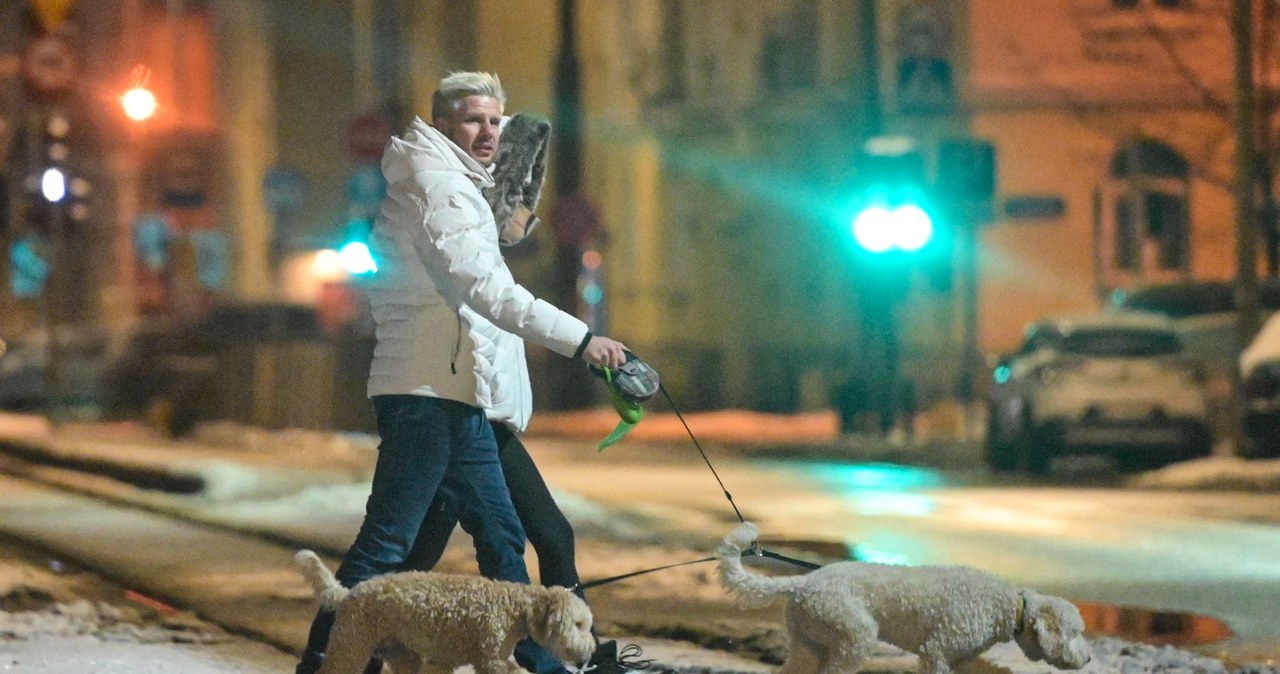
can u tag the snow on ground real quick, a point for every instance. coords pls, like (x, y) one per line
(55, 620)
(1216, 472)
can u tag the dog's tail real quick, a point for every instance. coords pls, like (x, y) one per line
(750, 589)
(327, 589)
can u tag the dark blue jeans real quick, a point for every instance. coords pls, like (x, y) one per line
(427, 444)
(548, 530)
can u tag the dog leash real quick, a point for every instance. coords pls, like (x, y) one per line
(755, 547)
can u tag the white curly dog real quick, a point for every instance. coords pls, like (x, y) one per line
(432, 623)
(944, 614)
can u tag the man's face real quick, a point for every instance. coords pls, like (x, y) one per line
(473, 126)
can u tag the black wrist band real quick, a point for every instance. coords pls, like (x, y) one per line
(583, 346)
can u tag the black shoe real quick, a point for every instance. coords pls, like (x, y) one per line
(609, 660)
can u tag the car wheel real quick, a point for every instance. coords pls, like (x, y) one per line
(1133, 462)
(1001, 455)
(1200, 443)
(1039, 444)
(1262, 436)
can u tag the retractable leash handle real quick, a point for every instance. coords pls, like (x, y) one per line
(633, 383)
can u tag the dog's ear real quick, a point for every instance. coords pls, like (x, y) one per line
(1057, 631)
(1043, 620)
(548, 612)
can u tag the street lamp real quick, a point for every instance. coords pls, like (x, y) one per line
(138, 102)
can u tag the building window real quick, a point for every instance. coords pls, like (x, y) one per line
(1151, 223)
(674, 60)
(789, 55)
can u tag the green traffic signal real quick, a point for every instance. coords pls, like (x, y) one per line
(884, 226)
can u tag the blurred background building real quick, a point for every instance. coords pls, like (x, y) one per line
(705, 162)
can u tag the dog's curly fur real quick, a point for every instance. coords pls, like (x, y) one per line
(943, 614)
(430, 622)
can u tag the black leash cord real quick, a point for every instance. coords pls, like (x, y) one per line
(704, 454)
(758, 551)
(798, 562)
(590, 584)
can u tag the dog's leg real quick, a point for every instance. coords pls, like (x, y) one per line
(802, 657)
(492, 666)
(351, 643)
(404, 661)
(837, 627)
(932, 661)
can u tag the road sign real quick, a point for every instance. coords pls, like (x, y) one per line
(48, 65)
(366, 187)
(284, 189)
(367, 135)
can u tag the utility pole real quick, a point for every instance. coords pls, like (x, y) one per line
(1246, 283)
(573, 218)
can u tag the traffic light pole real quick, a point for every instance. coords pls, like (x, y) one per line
(967, 250)
(880, 334)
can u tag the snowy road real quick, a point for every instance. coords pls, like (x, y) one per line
(1215, 553)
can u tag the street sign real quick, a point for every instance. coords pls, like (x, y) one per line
(925, 77)
(48, 65)
(284, 189)
(366, 187)
(151, 241)
(51, 13)
(367, 135)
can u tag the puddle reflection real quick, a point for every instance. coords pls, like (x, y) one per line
(1160, 628)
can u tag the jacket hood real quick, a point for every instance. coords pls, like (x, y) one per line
(423, 148)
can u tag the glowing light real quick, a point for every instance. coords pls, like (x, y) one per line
(357, 259)
(329, 264)
(915, 227)
(1001, 374)
(53, 185)
(873, 229)
(592, 259)
(139, 104)
(592, 294)
(879, 229)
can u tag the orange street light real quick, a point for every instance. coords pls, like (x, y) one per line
(139, 103)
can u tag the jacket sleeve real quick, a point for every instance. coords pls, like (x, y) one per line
(459, 246)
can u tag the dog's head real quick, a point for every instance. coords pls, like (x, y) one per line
(561, 622)
(1052, 631)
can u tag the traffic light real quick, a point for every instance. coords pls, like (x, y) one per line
(892, 214)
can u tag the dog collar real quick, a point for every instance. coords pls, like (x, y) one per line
(1020, 614)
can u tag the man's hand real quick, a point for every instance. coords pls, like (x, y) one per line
(604, 352)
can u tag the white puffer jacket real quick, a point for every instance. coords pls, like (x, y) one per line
(451, 321)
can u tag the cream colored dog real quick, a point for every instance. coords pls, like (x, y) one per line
(428, 622)
(944, 614)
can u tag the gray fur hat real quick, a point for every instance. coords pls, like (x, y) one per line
(519, 167)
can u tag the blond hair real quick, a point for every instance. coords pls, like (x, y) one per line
(458, 85)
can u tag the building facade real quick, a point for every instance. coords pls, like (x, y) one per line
(717, 148)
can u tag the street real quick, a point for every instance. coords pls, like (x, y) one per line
(640, 505)
(1204, 552)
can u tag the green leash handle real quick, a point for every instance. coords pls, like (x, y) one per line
(630, 413)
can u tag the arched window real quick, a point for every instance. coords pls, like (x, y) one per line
(1149, 232)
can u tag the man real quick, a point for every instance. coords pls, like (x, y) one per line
(518, 171)
(450, 325)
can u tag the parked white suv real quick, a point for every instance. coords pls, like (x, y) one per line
(1111, 383)
(1260, 375)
